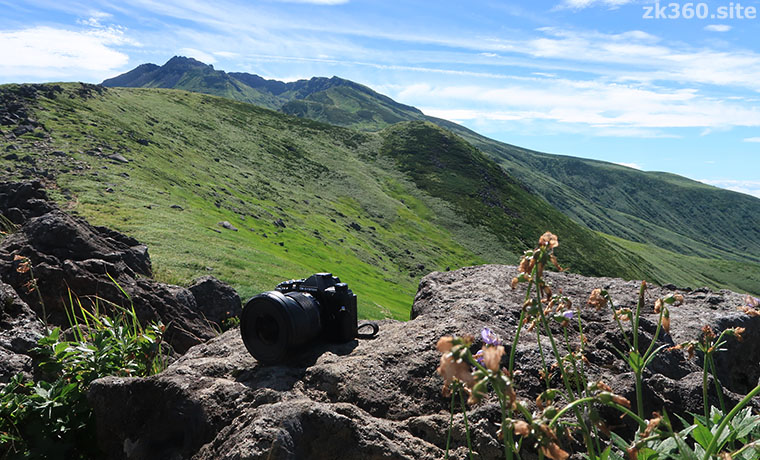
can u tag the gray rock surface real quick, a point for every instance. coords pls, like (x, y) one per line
(216, 300)
(94, 263)
(382, 398)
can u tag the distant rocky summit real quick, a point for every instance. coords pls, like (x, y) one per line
(365, 399)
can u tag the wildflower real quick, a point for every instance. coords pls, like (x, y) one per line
(514, 282)
(597, 299)
(479, 357)
(24, 263)
(651, 424)
(521, 428)
(752, 302)
(526, 264)
(666, 320)
(445, 343)
(549, 240)
(492, 357)
(489, 338)
(569, 314)
(678, 298)
(707, 335)
(657, 305)
(452, 369)
(737, 332)
(554, 452)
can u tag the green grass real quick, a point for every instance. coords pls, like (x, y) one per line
(224, 160)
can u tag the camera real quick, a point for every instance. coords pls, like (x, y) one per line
(296, 312)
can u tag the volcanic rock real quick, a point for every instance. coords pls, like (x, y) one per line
(95, 264)
(382, 398)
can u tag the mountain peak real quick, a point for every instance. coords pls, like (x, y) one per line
(183, 61)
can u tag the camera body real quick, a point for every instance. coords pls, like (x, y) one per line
(296, 312)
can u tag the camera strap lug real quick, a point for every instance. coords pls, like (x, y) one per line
(365, 324)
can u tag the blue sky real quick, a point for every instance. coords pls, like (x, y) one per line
(588, 78)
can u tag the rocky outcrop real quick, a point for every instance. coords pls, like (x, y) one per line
(381, 398)
(48, 254)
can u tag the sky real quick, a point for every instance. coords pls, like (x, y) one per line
(671, 86)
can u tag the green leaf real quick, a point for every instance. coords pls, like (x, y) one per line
(702, 435)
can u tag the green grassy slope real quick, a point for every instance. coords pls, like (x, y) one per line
(345, 206)
(662, 209)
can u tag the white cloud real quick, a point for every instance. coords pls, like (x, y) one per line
(630, 165)
(226, 54)
(202, 56)
(748, 187)
(752, 139)
(718, 28)
(589, 103)
(48, 52)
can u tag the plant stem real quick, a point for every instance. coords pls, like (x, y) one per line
(727, 419)
(451, 425)
(639, 394)
(716, 381)
(466, 425)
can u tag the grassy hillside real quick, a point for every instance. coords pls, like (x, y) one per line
(661, 209)
(167, 166)
(667, 214)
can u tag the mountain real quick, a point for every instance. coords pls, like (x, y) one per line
(662, 218)
(331, 100)
(255, 197)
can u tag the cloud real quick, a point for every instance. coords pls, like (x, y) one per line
(48, 52)
(590, 103)
(748, 187)
(202, 56)
(718, 28)
(752, 139)
(630, 165)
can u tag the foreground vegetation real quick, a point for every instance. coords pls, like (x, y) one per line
(50, 417)
(572, 411)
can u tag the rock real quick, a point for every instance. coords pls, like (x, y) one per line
(9, 148)
(355, 226)
(143, 142)
(279, 223)
(227, 225)
(58, 153)
(19, 330)
(11, 156)
(68, 253)
(217, 301)
(118, 157)
(382, 398)
(178, 207)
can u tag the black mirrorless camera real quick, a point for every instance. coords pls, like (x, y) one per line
(296, 312)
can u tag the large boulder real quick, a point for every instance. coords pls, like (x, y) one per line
(216, 301)
(66, 255)
(381, 398)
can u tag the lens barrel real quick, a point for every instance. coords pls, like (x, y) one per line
(273, 323)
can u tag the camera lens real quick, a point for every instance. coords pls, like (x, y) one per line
(273, 323)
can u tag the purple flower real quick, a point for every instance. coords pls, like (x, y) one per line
(479, 357)
(489, 338)
(753, 302)
(569, 314)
